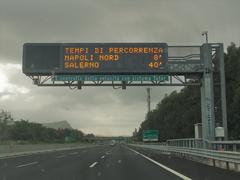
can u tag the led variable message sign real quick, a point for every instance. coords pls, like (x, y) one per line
(94, 58)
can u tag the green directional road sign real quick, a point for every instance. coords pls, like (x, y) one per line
(150, 135)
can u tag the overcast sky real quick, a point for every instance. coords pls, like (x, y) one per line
(102, 111)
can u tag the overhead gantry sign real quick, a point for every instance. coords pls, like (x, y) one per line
(110, 64)
(95, 58)
(133, 64)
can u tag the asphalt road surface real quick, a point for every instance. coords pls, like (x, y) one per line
(118, 162)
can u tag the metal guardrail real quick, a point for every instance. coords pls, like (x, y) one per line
(15, 150)
(205, 144)
(188, 142)
(210, 157)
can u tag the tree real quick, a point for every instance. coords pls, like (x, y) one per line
(5, 120)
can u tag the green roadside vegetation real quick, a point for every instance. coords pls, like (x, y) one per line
(25, 132)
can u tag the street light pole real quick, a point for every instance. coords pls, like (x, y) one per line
(148, 99)
(205, 33)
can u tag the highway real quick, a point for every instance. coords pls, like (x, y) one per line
(105, 162)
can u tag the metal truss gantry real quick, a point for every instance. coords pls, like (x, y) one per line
(201, 66)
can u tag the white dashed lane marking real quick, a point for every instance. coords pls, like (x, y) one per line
(73, 153)
(93, 164)
(28, 164)
(60, 156)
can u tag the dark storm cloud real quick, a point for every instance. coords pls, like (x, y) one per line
(101, 110)
(172, 21)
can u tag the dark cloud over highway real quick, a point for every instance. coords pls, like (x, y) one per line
(100, 110)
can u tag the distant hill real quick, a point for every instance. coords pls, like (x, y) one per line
(58, 125)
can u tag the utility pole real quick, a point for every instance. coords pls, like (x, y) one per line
(148, 99)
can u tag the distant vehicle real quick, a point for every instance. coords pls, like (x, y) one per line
(112, 142)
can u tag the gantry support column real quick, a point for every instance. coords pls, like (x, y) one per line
(223, 90)
(207, 96)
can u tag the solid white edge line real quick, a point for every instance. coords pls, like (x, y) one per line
(28, 164)
(93, 164)
(162, 166)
